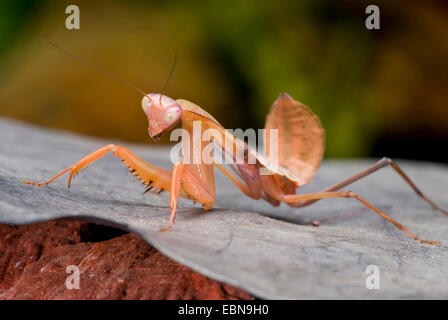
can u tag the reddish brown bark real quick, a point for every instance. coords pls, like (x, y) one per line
(112, 264)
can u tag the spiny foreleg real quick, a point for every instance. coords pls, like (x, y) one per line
(155, 178)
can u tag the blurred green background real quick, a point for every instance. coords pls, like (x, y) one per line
(377, 92)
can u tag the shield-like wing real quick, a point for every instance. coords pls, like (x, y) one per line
(301, 138)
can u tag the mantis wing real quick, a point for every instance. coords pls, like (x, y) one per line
(301, 138)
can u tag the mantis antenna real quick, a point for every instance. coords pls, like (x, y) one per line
(170, 75)
(93, 65)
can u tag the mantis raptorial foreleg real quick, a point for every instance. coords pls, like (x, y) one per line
(186, 184)
(348, 194)
(174, 193)
(149, 175)
(384, 162)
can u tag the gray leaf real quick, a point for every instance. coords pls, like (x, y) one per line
(244, 242)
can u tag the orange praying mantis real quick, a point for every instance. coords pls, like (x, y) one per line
(300, 149)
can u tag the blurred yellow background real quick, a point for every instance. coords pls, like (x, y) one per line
(378, 92)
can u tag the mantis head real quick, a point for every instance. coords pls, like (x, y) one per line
(163, 113)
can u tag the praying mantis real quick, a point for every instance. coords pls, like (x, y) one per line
(300, 149)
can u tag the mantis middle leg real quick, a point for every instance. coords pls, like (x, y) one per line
(384, 162)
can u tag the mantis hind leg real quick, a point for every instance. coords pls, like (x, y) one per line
(149, 175)
(291, 199)
(384, 162)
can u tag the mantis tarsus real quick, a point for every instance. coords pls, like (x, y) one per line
(301, 143)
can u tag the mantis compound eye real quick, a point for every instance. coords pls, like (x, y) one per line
(172, 115)
(146, 103)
